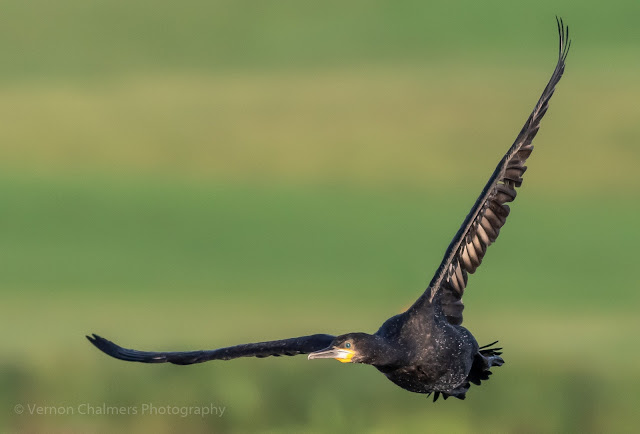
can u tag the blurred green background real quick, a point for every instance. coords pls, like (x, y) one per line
(185, 175)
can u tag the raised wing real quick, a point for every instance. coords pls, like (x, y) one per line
(284, 347)
(482, 225)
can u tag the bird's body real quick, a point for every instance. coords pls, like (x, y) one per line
(424, 349)
(438, 355)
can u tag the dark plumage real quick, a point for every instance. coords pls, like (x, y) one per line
(424, 349)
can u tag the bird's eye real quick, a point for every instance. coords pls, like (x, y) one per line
(347, 345)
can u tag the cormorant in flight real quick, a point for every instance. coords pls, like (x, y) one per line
(424, 349)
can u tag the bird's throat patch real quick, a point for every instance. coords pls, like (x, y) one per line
(344, 356)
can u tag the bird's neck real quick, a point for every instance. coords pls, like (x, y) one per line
(382, 352)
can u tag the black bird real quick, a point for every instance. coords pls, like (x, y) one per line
(424, 349)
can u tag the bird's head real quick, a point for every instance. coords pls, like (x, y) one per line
(349, 348)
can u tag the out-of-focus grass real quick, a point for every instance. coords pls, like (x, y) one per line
(407, 126)
(87, 39)
(177, 265)
(185, 176)
(553, 368)
(162, 237)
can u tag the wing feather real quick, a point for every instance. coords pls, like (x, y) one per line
(284, 347)
(482, 225)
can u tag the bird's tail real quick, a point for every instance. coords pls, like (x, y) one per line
(485, 358)
(482, 363)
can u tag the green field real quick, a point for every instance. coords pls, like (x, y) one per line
(185, 176)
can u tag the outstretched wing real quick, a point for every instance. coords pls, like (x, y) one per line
(284, 347)
(482, 225)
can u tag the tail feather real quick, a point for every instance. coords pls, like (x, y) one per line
(484, 360)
